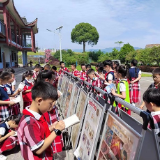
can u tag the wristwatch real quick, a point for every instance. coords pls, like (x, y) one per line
(57, 132)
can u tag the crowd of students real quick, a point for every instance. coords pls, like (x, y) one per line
(38, 129)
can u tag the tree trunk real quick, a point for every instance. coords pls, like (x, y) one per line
(84, 47)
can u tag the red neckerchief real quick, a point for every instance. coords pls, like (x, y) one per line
(41, 120)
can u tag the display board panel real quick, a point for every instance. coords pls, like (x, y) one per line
(73, 102)
(65, 104)
(119, 141)
(60, 82)
(64, 92)
(80, 111)
(90, 131)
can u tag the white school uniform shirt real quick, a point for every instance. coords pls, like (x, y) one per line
(14, 82)
(110, 77)
(122, 86)
(3, 130)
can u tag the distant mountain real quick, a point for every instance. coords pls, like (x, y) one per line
(103, 50)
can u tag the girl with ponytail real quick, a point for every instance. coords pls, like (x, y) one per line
(28, 81)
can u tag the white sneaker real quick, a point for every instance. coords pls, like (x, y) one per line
(2, 157)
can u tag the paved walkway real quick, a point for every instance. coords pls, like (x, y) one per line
(15, 154)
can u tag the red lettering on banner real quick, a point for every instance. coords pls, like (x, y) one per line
(93, 105)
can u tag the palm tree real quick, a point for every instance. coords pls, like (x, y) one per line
(119, 42)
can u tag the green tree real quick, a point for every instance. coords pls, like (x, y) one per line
(104, 57)
(131, 55)
(119, 42)
(143, 56)
(83, 33)
(124, 51)
(114, 54)
(94, 55)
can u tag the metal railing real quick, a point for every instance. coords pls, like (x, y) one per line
(2, 28)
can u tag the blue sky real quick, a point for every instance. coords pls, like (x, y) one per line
(131, 21)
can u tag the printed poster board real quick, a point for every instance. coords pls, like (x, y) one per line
(66, 103)
(64, 79)
(80, 111)
(60, 82)
(64, 92)
(90, 131)
(73, 102)
(119, 141)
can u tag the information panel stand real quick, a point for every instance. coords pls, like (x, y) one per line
(122, 136)
(90, 131)
(119, 140)
(80, 112)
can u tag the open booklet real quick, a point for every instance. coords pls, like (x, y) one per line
(70, 121)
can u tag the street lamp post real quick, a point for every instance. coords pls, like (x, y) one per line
(59, 28)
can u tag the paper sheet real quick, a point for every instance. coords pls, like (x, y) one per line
(70, 121)
(17, 99)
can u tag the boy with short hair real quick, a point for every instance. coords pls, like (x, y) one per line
(94, 80)
(108, 67)
(75, 72)
(34, 135)
(151, 99)
(156, 79)
(83, 72)
(37, 69)
(47, 67)
(63, 68)
(88, 66)
(54, 70)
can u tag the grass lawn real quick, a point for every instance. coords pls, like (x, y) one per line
(146, 75)
(34, 54)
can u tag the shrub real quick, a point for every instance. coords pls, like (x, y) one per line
(147, 68)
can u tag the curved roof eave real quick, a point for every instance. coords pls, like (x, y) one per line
(12, 8)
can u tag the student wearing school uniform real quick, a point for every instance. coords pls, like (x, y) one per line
(75, 72)
(95, 81)
(15, 109)
(27, 79)
(88, 66)
(5, 103)
(33, 123)
(115, 64)
(97, 67)
(109, 76)
(83, 72)
(8, 138)
(122, 88)
(12, 71)
(47, 67)
(63, 68)
(100, 74)
(151, 98)
(37, 69)
(54, 70)
(134, 75)
(155, 84)
(52, 115)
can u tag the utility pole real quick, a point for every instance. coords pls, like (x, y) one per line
(60, 28)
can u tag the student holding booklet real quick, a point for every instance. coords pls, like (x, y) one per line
(34, 134)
